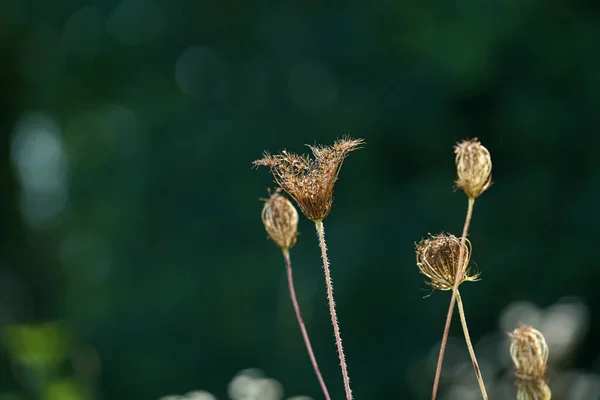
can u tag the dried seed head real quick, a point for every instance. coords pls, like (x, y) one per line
(473, 167)
(281, 220)
(438, 260)
(533, 390)
(529, 352)
(310, 181)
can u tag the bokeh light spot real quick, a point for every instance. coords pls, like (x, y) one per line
(520, 312)
(251, 383)
(564, 326)
(40, 162)
(199, 395)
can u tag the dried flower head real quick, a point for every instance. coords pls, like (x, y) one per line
(438, 260)
(281, 220)
(529, 352)
(310, 181)
(473, 167)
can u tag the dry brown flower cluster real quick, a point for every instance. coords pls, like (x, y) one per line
(529, 352)
(438, 258)
(281, 220)
(473, 167)
(443, 259)
(310, 181)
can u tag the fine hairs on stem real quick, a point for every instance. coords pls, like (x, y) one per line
(310, 182)
(311, 354)
(280, 219)
(334, 321)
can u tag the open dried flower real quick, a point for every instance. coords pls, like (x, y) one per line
(281, 220)
(473, 167)
(438, 260)
(529, 352)
(310, 181)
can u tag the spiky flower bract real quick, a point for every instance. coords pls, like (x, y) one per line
(473, 167)
(281, 220)
(310, 181)
(438, 259)
(529, 352)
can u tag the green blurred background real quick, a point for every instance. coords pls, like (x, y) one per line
(133, 262)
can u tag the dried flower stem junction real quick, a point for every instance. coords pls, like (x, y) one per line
(440, 258)
(474, 171)
(463, 261)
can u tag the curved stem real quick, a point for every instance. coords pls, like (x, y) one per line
(336, 328)
(313, 360)
(463, 321)
(461, 255)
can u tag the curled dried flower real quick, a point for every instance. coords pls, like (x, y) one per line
(529, 352)
(281, 220)
(473, 167)
(438, 260)
(310, 181)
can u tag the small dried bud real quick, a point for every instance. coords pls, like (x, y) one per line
(473, 167)
(438, 260)
(281, 220)
(529, 352)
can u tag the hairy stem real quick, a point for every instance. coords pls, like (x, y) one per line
(336, 327)
(463, 321)
(459, 271)
(313, 360)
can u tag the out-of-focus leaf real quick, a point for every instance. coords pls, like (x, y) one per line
(37, 346)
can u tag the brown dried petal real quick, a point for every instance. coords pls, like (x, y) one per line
(310, 181)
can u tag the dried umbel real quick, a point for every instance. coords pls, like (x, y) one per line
(473, 167)
(438, 260)
(310, 181)
(281, 220)
(529, 352)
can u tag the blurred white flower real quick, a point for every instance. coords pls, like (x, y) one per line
(251, 384)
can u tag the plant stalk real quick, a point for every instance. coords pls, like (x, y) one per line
(336, 328)
(463, 321)
(311, 354)
(459, 271)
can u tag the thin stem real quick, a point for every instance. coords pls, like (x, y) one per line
(336, 327)
(313, 360)
(463, 321)
(461, 255)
